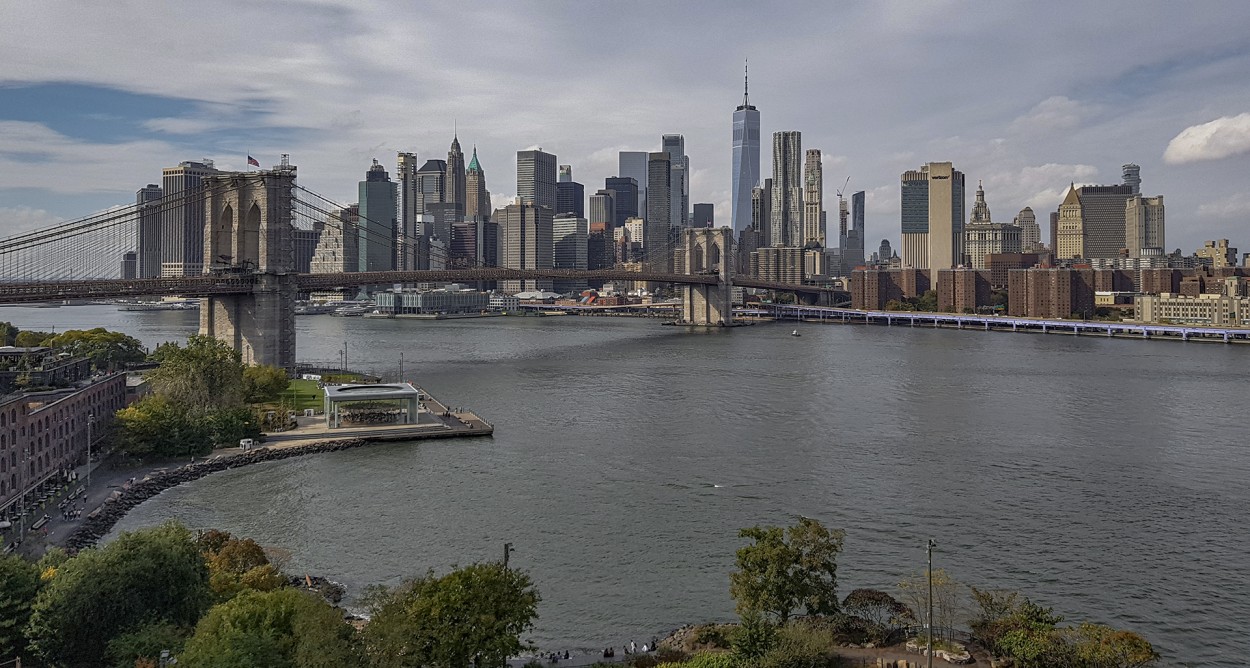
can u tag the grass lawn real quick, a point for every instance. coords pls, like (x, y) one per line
(305, 394)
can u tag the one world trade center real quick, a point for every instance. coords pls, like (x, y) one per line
(746, 173)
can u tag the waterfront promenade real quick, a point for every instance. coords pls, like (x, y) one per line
(1134, 330)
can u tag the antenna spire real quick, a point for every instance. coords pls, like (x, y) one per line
(746, 82)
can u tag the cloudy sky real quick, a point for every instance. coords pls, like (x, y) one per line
(97, 97)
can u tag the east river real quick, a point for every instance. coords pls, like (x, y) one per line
(1106, 478)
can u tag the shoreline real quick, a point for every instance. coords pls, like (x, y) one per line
(101, 521)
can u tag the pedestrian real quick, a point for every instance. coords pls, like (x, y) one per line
(633, 648)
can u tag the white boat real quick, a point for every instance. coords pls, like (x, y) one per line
(795, 333)
(349, 311)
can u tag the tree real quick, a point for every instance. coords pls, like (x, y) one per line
(145, 644)
(1098, 646)
(30, 339)
(205, 374)
(472, 614)
(8, 334)
(946, 600)
(883, 613)
(264, 383)
(144, 577)
(276, 629)
(155, 425)
(19, 582)
(786, 568)
(238, 564)
(105, 349)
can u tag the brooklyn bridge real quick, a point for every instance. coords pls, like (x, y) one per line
(250, 285)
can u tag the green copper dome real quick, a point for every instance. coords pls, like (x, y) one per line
(473, 166)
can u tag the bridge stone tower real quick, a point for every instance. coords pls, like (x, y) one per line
(249, 230)
(709, 252)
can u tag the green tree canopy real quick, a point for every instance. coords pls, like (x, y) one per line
(29, 339)
(145, 644)
(883, 613)
(476, 613)
(105, 349)
(19, 582)
(787, 568)
(204, 375)
(156, 425)
(144, 577)
(237, 564)
(264, 383)
(286, 628)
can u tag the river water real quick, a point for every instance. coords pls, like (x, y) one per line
(1106, 478)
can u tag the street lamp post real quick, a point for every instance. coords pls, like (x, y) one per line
(931, 545)
(90, 424)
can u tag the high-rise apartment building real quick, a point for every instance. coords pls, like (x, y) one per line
(377, 220)
(932, 199)
(624, 191)
(659, 212)
(633, 164)
(148, 241)
(454, 180)
(525, 241)
(477, 197)
(1218, 254)
(570, 195)
(182, 219)
(704, 215)
(813, 199)
(679, 170)
(787, 206)
(602, 212)
(746, 159)
(536, 178)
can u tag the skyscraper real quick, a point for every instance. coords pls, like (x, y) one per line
(377, 220)
(536, 178)
(787, 207)
(148, 243)
(932, 216)
(633, 164)
(746, 157)
(704, 215)
(477, 197)
(1030, 232)
(338, 247)
(624, 197)
(182, 219)
(569, 235)
(852, 249)
(454, 179)
(679, 188)
(570, 195)
(407, 204)
(1132, 177)
(1144, 227)
(813, 199)
(525, 241)
(431, 186)
(659, 212)
(982, 236)
(602, 211)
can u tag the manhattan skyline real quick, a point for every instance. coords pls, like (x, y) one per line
(1018, 99)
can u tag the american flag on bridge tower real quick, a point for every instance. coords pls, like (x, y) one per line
(253, 161)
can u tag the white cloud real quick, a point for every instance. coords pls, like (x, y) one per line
(33, 155)
(18, 219)
(1236, 205)
(1054, 114)
(1221, 138)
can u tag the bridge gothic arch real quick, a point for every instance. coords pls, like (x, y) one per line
(222, 238)
(249, 238)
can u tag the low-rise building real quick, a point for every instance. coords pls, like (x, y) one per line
(872, 288)
(43, 435)
(39, 367)
(432, 301)
(1224, 302)
(504, 303)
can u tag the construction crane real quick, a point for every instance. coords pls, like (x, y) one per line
(843, 188)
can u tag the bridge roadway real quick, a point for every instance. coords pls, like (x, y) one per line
(233, 284)
(1015, 324)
